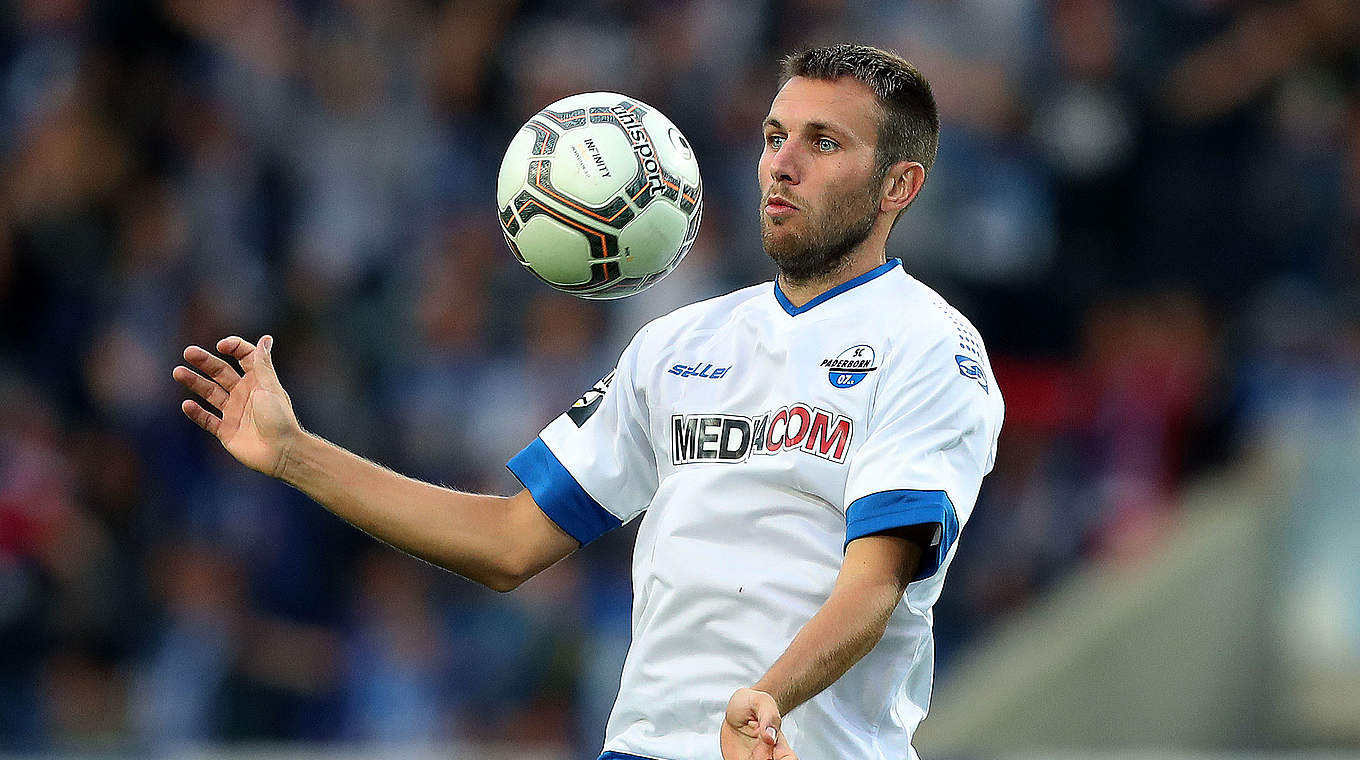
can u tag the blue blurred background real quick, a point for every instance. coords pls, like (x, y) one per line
(1149, 208)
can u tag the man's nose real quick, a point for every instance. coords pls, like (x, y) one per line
(784, 165)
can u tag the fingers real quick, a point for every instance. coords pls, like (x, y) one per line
(235, 346)
(212, 366)
(250, 355)
(741, 712)
(767, 713)
(752, 728)
(211, 392)
(756, 714)
(216, 388)
(253, 357)
(201, 417)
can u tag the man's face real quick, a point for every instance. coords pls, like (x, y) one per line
(819, 192)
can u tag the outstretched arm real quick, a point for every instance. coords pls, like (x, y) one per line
(873, 577)
(495, 540)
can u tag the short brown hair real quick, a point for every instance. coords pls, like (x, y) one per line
(909, 126)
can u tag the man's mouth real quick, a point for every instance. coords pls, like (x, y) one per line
(777, 206)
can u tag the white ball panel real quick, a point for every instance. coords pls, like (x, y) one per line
(673, 148)
(592, 163)
(585, 100)
(649, 241)
(514, 167)
(557, 252)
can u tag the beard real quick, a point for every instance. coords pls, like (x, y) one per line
(825, 239)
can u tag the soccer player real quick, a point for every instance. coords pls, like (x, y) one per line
(803, 454)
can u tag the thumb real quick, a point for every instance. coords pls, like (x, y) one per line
(767, 714)
(262, 360)
(266, 352)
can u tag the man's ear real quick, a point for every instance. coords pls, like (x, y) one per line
(901, 184)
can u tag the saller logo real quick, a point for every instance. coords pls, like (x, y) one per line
(734, 438)
(699, 369)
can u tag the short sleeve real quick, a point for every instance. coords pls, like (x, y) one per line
(932, 437)
(593, 468)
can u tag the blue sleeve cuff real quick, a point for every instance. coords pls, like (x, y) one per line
(886, 510)
(558, 494)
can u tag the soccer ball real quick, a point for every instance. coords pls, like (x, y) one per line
(599, 195)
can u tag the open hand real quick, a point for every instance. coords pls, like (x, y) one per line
(257, 425)
(751, 728)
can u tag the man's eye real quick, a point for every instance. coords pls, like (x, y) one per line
(827, 145)
(774, 141)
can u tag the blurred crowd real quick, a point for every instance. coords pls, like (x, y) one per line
(1150, 209)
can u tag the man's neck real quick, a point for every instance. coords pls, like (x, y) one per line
(799, 292)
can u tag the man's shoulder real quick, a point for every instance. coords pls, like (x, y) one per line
(937, 343)
(708, 314)
(914, 310)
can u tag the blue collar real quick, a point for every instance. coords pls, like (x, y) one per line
(794, 311)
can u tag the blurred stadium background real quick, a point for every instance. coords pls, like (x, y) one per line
(1150, 208)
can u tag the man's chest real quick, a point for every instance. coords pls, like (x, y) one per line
(762, 399)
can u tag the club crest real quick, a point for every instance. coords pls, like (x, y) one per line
(851, 366)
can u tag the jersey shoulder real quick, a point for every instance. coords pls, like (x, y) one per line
(915, 311)
(701, 316)
(935, 340)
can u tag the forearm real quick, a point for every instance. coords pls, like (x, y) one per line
(846, 628)
(465, 533)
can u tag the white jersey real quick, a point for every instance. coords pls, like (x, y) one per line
(759, 439)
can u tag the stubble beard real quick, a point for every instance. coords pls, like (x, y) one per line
(825, 241)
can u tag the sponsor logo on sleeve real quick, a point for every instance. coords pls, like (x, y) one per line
(970, 360)
(969, 368)
(851, 366)
(590, 400)
(735, 438)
